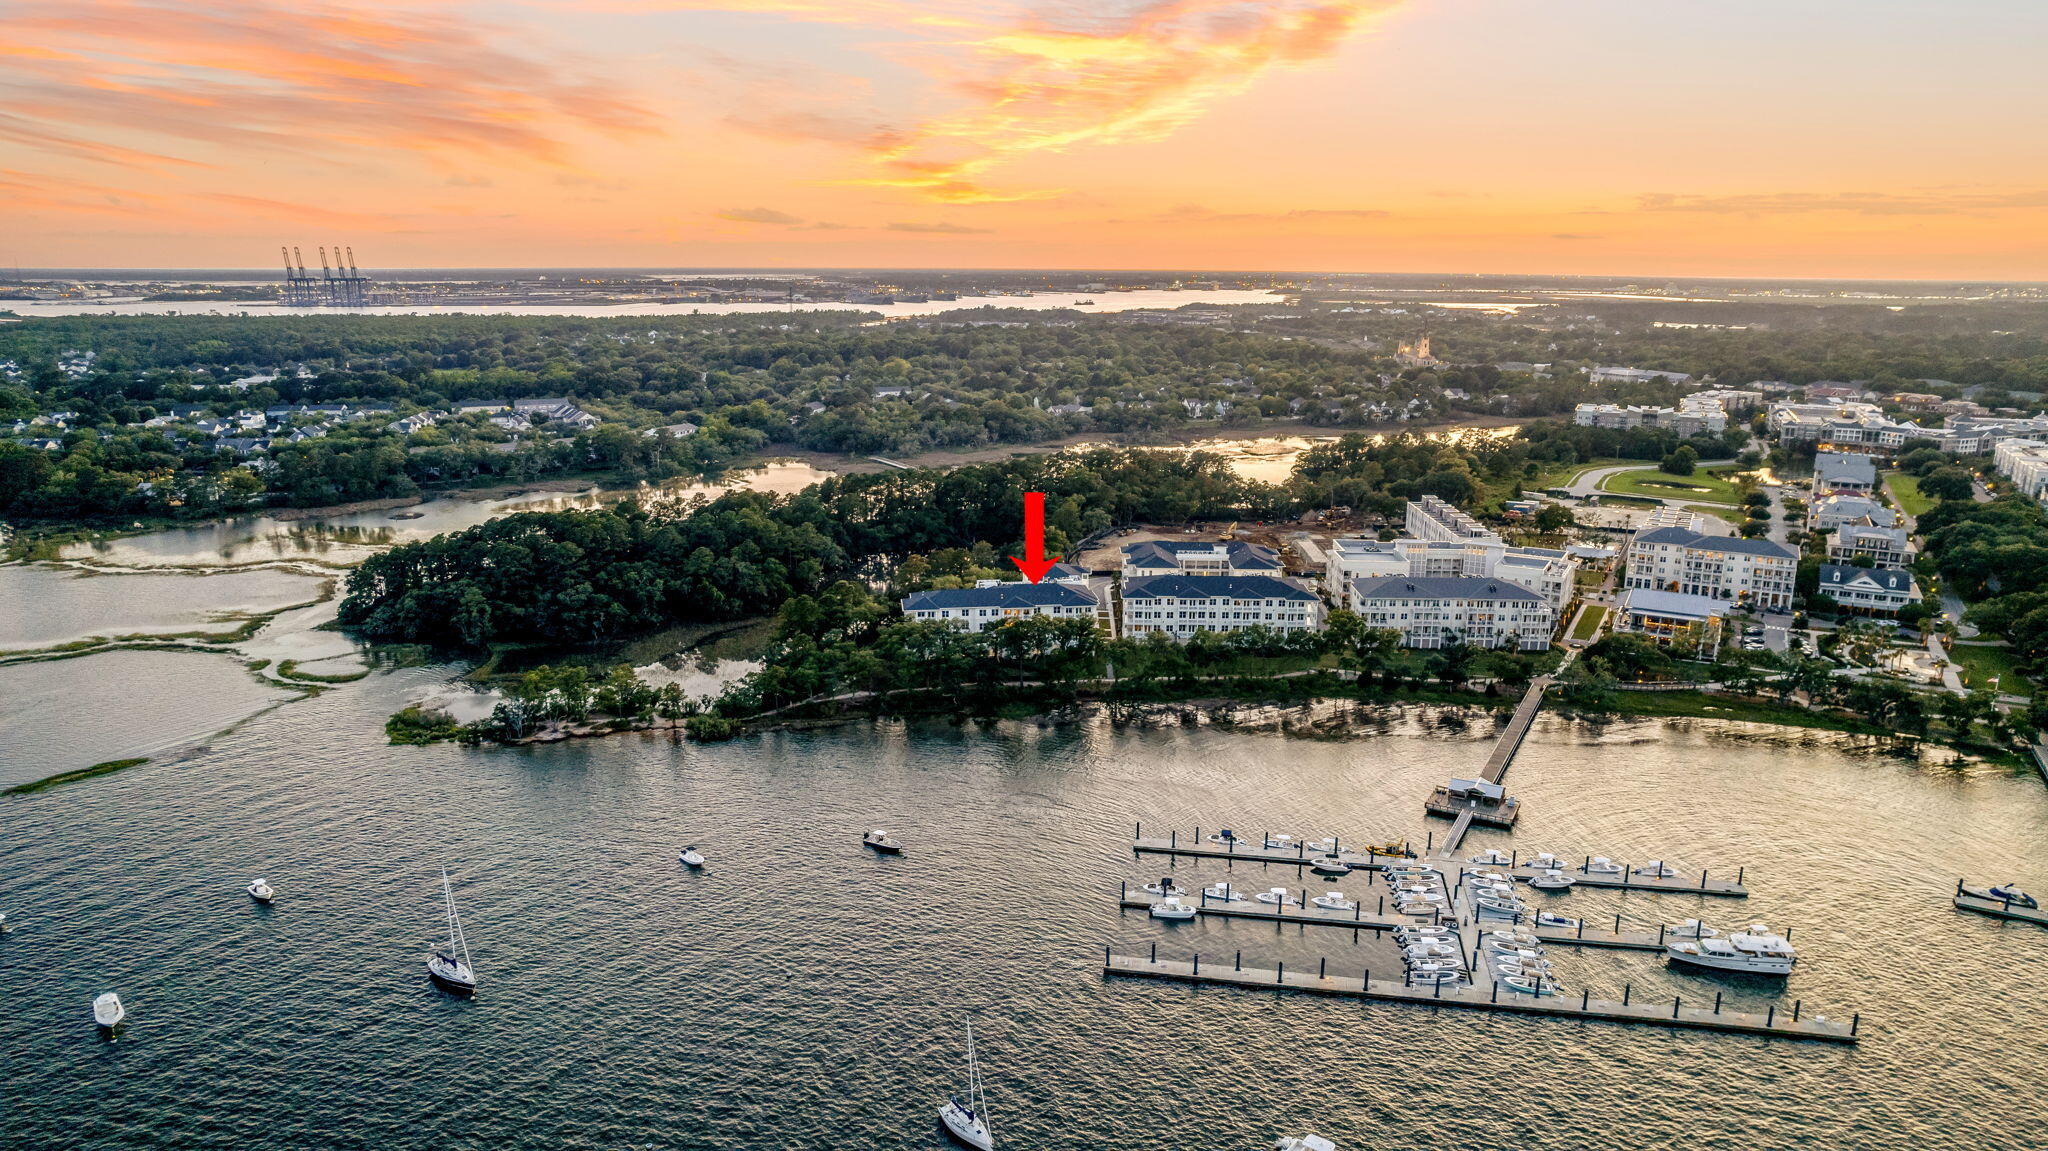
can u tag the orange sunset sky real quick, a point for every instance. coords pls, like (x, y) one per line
(1855, 138)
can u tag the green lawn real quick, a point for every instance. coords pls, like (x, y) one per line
(1906, 489)
(1563, 475)
(1981, 663)
(1701, 486)
(1589, 622)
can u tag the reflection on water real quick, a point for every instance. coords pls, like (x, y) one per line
(1272, 459)
(349, 538)
(43, 605)
(65, 714)
(799, 993)
(1103, 302)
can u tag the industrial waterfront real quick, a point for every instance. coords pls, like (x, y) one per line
(800, 992)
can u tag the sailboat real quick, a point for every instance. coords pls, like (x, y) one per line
(449, 967)
(967, 1120)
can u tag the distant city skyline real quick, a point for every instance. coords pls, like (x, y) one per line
(1749, 139)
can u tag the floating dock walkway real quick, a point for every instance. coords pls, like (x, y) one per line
(1241, 851)
(1491, 813)
(1319, 981)
(1373, 916)
(1999, 908)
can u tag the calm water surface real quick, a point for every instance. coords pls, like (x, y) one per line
(42, 605)
(799, 993)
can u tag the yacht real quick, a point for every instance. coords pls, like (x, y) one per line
(1329, 865)
(1601, 865)
(107, 1011)
(1223, 892)
(966, 1120)
(2003, 893)
(1754, 951)
(878, 839)
(1304, 1143)
(1334, 901)
(1278, 896)
(261, 892)
(450, 967)
(1552, 880)
(1657, 869)
(691, 857)
(1165, 886)
(1493, 856)
(1172, 907)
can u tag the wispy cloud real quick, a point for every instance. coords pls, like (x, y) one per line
(305, 79)
(942, 229)
(1928, 202)
(759, 216)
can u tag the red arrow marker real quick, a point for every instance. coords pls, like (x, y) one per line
(1033, 563)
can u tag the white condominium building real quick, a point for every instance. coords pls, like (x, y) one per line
(1550, 573)
(1699, 413)
(992, 603)
(1846, 424)
(1831, 512)
(1431, 611)
(1199, 557)
(1431, 518)
(1758, 572)
(1974, 435)
(1180, 606)
(2025, 463)
(1880, 590)
(1887, 547)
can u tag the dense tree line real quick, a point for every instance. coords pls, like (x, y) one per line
(1996, 556)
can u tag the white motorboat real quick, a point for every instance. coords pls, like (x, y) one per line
(1486, 877)
(1278, 896)
(1279, 842)
(107, 1011)
(1173, 907)
(1518, 938)
(1754, 951)
(1553, 880)
(1225, 837)
(1222, 891)
(1304, 1143)
(1691, 929)
(1320, 846)
(1165, 886)
(1501, 908)
(1418, 897)
(1412, 869)
(1548, 919)
(1530, 985)
(4, 929)
(967, 1119)
(1334, 901)
(1542, 859)
(261, 892)
(1445, 975)
(1509, 951)
(450, 967)
(1657, 869)
(1492, 855)
(691, 857)
(1601, 865)
(1429, 950)
(878, 839)
(1329, 865)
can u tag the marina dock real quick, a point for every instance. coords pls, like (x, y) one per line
(1372, 915)
(1362, 985)
(1501, 812)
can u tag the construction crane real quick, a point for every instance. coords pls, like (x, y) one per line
(340, 284)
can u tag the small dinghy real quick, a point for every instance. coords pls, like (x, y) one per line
(1548, 919)
(1494, 856)
(108, 1012)
(1165, 886)
(1171, 907)
(1223, 892)
(691, 857)
(966, 1120)
(1657, 869)
(1329, 865)
(1553, 880)
(1601, 865)
(1334, 901)
(878, 839)
(1278, 896)
(261, 892)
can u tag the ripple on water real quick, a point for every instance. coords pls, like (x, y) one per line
(801, 993)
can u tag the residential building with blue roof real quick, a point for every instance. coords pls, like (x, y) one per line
(1199, 557)
(1432, 611)
(1181, 605)
(993, 602)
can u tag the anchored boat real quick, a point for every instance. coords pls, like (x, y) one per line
(878, 839)
(1755, 951)
(107, 1011)
(967, 1120)
(261, 892)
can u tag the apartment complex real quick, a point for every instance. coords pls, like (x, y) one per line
(1757, 572)
(993, 602)
(1701, 413)
(1181, 605)
(1548, 572)
(1199, 557)
(2025, 463)
(1854, 424)
(1432, 518)
(1431, 611)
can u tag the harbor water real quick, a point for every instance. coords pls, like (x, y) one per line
(801, 993)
